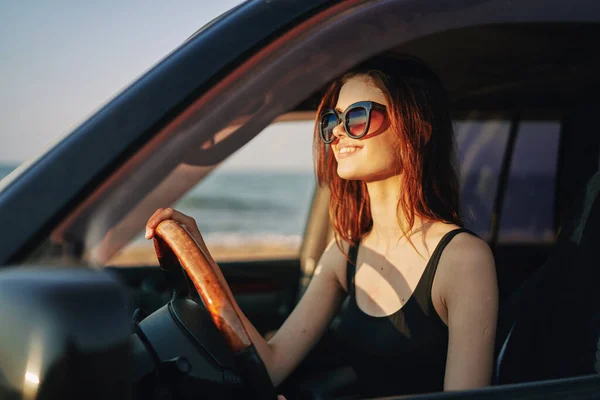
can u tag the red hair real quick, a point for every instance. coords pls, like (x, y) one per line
(419, 115)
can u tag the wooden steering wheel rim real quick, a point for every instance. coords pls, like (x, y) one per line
(172, 242)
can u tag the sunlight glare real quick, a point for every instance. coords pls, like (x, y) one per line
(31, 377)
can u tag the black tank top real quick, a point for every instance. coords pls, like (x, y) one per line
(404, 352)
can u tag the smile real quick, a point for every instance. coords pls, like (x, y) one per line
(348, 150)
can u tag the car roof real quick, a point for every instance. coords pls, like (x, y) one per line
(509, 64)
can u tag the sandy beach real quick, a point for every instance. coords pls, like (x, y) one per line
(141, 254)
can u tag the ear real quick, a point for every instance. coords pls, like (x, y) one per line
(426, 132)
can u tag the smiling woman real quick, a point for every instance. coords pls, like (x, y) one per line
(394, 209)
(372, 144)
(388, 162)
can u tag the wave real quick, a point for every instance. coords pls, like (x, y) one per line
(238, 239)
(231, 203)
(242, 239)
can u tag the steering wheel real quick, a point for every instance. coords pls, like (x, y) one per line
(175, 249)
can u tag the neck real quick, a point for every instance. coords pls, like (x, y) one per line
(388, 219)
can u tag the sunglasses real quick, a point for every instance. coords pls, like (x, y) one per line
(356, 119)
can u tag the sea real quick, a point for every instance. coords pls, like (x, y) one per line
(6, 169)
(246, 207)
(251, 207)
(271, 207)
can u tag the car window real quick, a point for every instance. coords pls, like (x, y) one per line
(529, 200)
(481, 142)
(253, 206)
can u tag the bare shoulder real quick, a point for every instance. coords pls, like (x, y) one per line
(467, 261)
(467, 251)
(333, 262)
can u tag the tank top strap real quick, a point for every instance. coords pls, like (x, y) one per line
(351, 268)
(432, 265)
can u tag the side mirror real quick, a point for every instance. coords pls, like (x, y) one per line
(65, 334)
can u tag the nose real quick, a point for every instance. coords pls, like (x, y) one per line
(339, 131)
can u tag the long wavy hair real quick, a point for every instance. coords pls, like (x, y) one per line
(417, 105)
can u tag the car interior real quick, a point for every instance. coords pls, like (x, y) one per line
(524, 99)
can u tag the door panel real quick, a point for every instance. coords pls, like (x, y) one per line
(265, 290)
(516, 262)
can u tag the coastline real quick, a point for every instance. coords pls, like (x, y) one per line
(143, 254)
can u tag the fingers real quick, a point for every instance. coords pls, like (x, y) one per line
(280, 397)
(168, 213)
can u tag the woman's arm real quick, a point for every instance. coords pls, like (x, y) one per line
(471, 298)
(307, 322)
(311, 317)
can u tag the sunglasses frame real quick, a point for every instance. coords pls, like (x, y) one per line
(341, 118)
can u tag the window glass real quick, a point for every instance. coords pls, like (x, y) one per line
(528, 208)
(253, 206)
(481, 143)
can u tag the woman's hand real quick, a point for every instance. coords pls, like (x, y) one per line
(185, 220)
(189, 224)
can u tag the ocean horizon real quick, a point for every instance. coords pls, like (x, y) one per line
(264, 207)
(271, 207)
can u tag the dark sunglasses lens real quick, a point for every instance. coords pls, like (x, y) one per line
(328, 122)
(356, 121)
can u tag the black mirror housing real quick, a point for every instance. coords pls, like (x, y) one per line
(65, 334)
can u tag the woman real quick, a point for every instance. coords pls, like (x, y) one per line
(420, 293)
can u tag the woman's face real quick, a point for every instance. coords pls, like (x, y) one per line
(372, 157)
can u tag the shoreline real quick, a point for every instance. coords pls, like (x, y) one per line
(142, 254)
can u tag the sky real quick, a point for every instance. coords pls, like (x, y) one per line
(61, 60)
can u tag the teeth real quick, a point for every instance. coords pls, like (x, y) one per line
(345, 150)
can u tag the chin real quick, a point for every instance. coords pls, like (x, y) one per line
(349, 176)
(349, 172)
(353, 173)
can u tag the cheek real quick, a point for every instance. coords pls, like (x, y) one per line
(381, 152)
